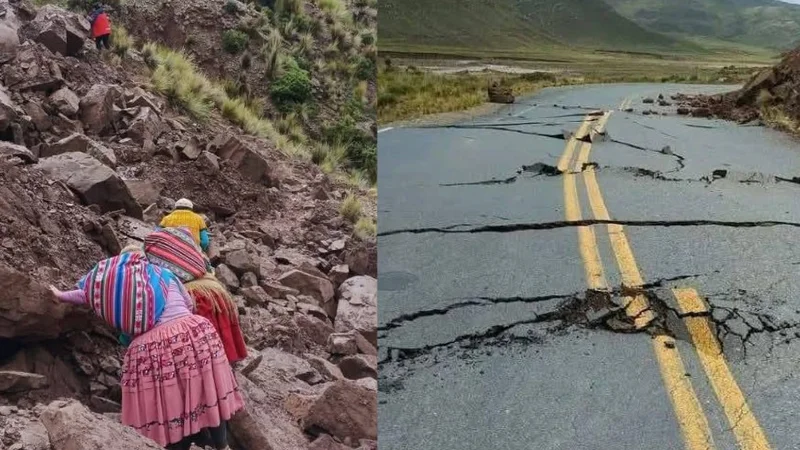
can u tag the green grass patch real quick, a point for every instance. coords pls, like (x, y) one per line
(121, 41)
(175, 76)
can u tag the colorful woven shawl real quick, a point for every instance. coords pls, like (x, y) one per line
(127, 292)
(174, 249)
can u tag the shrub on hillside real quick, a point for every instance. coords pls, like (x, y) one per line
(291, 88)
(234, 41)
(362, 152)
(367, 38)
(231, 7)
(365, 69)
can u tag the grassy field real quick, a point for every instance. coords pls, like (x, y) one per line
(519, 26)
(406, 92)
(764, 23)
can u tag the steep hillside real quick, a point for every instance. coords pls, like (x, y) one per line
(94, 149)
(766, 23)
(517, 25)
(308, 67)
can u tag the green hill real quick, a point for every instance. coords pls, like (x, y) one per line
(764, 23)
(517, 26)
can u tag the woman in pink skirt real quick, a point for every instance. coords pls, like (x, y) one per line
(176, 381)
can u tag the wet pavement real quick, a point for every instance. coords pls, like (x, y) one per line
(631, 286)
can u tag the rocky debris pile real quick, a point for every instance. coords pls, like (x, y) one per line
(90, 161)
(774, 86)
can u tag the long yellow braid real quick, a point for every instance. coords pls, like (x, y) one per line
(212, 288)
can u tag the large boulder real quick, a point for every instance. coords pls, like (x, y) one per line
(362, 259)
(9, 149)
(146, 126)
(350, 343)
(9, 43)
(358, 307)
(95, 183)
(27, 310)
(247, 160)
(97, 108)
(321, 289)
(78, 142)
(265, 409)
(39, 117)
(145, 192)
(72, 426)
(8, 114)
(356, 367)
(344, 410)
(32, 70)
(60, 31)
(65, 101)
(12, 381)
(241, 261)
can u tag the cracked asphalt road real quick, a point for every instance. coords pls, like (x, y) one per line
(635, 291)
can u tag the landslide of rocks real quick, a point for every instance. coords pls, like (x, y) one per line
(772, 90)
(91, 157)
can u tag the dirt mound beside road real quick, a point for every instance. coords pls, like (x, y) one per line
(774, 87)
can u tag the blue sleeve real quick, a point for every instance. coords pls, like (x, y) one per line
(125, 340)
(204, 240)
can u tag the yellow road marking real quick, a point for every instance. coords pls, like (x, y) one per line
(637, 307)
(743, 422)
(563, 163)
(587, 242)
(693, 423)
(691, 419)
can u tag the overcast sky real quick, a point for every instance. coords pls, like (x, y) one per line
(792, 1)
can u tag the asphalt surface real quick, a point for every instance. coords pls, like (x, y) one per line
(497, 329)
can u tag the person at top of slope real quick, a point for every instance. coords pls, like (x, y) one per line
(101, 26)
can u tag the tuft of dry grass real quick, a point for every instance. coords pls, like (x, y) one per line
(776, 117)
(175, 76)
(366, 228)
(350, 208)
(121, 41)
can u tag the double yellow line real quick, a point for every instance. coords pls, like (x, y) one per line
(688, 410)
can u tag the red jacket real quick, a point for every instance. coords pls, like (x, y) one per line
(101, 25)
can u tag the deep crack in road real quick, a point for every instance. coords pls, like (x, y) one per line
(490, 336)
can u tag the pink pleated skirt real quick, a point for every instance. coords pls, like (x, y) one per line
(176, 380)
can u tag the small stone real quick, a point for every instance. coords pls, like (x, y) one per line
(249, 279)
(227, 277)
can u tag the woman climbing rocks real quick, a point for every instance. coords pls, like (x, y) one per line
(101, 26)
(174, 249)
(176, 382)
(184, 216)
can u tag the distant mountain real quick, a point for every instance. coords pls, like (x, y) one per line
(518, 25)
(764, 23)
